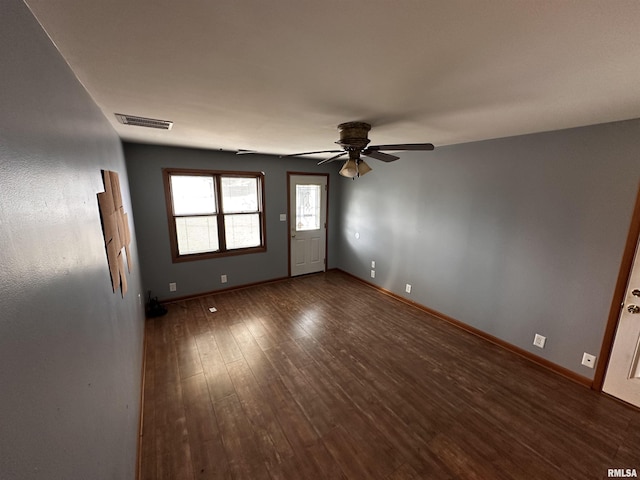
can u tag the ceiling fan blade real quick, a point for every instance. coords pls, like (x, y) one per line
(335, 157)
(309, 153)
(403, 146)
(385, 157)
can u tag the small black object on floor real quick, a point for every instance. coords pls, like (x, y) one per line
(155, 308)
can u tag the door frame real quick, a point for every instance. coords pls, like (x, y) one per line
(326, 230)
(618, 296)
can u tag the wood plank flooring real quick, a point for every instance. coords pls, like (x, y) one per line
(324, 377)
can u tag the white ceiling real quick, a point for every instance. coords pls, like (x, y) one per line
(278, 76)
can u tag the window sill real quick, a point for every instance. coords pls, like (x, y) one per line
(209, 255)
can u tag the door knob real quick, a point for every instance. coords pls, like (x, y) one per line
(633, 309)
(635, 293)
(293, 235)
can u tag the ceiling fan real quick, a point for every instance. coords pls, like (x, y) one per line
(354, 142)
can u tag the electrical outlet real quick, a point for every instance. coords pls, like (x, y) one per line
(539, 340)
(373, 274)
(172, 287)
(407, 288)
(373, 264)
(223, 279)
(588, 360)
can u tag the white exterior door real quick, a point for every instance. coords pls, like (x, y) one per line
(622, 379)
(307, 223)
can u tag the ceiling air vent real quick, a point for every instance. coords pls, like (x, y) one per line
(144, 122)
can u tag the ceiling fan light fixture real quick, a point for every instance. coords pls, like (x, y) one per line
(363, 168)
(355, 142)
(353, 168)
(349, 169)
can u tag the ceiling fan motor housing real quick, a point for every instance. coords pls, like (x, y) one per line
(353, 135)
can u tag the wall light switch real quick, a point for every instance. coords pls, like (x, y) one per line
(172, 287)
(373, 264)
(283, 217)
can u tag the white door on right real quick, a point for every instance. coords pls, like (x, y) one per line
(622, 379)
(308, 223)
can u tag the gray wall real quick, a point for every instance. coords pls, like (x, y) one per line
(513, 236)
(145, 164)
(70, 349)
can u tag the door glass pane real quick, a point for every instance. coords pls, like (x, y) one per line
(239, 194)
(197, 234)
(307, 207)
(192, 195)
(242, 231)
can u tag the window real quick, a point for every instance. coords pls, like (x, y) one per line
(307, 207)
(214, 213)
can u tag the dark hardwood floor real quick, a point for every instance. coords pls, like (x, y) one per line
(325, 377)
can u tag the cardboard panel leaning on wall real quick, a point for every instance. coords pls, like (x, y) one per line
(70, 348)
(144, 166)
(514, 236)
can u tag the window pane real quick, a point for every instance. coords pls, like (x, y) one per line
(242, 231)
(192, 195)
(197, 234)
(239, 194)
(307, 207)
